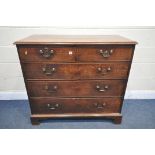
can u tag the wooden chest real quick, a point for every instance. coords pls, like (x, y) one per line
(75, 76)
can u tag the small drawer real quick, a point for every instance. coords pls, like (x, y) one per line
(47, 53)
(105, 53)
(75, 105)
(76, 71)
(83, 88)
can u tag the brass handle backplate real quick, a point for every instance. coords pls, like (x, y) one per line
(46, 52)
(103, 70)
(51, 89)
(53, 106)
(102, 88)
(100, 105)
(49, 70)
(106, 53)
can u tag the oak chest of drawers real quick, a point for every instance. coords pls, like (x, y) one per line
(75, 76)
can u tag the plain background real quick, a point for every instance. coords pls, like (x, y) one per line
(80, 13)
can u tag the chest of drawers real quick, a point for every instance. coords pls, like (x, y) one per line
(75, 76)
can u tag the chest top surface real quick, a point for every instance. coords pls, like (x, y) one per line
(75, 39)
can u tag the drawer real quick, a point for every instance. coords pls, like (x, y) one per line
(105, 53)
(75, 105)
(43, 53)
(76, 71)
(76, 88)
(75, 54)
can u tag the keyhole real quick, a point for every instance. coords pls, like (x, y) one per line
(70, 52)
(25, 52)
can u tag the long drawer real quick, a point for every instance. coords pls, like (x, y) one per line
(75, 105)
(80, 88)
(75, 71)
(76, 54)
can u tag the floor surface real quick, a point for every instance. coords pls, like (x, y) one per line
(137, 114)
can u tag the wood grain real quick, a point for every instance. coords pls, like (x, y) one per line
(36, 118)
(81, 88)
(75, 39)
(69, 76)
(75, 105)
(78, 53)
(92, 54)
(61, 54)
(71, 71)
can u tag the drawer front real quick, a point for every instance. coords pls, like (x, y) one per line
(76, 54)
(105, 53)
(43, 53)
(76, 88)
(75, 105)
(75, 71)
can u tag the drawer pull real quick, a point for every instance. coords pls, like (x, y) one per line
(48, 70)
(53, 107)
(106, 53)
(46, 53)
(103, 71)
(102, 88)
(51, 89)
(99, 106)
